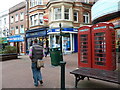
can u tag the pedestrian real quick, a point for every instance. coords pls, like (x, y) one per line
(46, 51)
(35, 53)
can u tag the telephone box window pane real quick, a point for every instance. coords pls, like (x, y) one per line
(100, 59)
(100, 63)
(84, 50)
(102, 34)
(84, 43)
(84, 46)
(99, 38)
(100, 42)
(84, 54)
(85, 35)
(100, 55)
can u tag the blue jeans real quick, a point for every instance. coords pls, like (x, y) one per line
(37, 76)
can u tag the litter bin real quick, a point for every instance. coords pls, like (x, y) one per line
(55, 55)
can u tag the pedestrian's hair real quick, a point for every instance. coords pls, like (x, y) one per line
(35, 41)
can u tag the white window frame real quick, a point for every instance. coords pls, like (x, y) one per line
(34, 20)
(66, 13)
(40, 2)
(86, 17)
(41, 19)
(21, 16)
(12, 19)
(16, 17)
(86, 1)
(16, 30)
(75, 16)
(21, 28)
(57, 13)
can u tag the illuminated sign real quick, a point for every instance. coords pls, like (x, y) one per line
(99, 27)
(83, 30)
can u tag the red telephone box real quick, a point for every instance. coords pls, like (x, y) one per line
(103, 46)
(84, 46)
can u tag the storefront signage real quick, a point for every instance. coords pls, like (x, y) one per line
(36, 34)
(83, 30)
(63, 30)
(100, 27)
(16, 38)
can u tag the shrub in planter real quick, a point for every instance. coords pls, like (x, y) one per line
(10, 49)
(9, 52)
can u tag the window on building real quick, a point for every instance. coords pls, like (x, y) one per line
(57, 12)
(11, 30)
(21, 29)
(4, 20)
(12, 19)
(21, 16)
(40, 2)
(41, 19)
(86, 18)
(16, 30)
(76, 16)
(34, 19)
(86, 1)
(66, 12)
(0, 22)
(16, 17)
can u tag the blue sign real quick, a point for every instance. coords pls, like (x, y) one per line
(64, 29)
(16, 38)
(36, 34)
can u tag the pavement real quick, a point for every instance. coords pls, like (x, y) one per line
(17, 73)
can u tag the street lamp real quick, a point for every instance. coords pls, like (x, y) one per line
(62, 63)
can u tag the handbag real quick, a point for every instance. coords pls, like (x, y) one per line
(40, 63)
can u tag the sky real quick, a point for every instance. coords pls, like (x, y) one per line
(6, 4)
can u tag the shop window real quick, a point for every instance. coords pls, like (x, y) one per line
(66, 42)
(57, 12)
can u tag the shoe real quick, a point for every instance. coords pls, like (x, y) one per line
(41, 82)
(36, 85)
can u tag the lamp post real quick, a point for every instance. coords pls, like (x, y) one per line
(62, 63)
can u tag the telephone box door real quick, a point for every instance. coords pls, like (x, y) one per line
(84, 46)
(103, 46)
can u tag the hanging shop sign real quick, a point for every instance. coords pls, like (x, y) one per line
(45, 19)
(16, 38)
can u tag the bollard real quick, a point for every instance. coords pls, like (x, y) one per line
(62, 64)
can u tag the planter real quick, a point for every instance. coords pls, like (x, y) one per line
(4, 57)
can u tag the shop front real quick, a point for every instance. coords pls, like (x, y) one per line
(69, 39)
(40, 34)
(19, 42)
